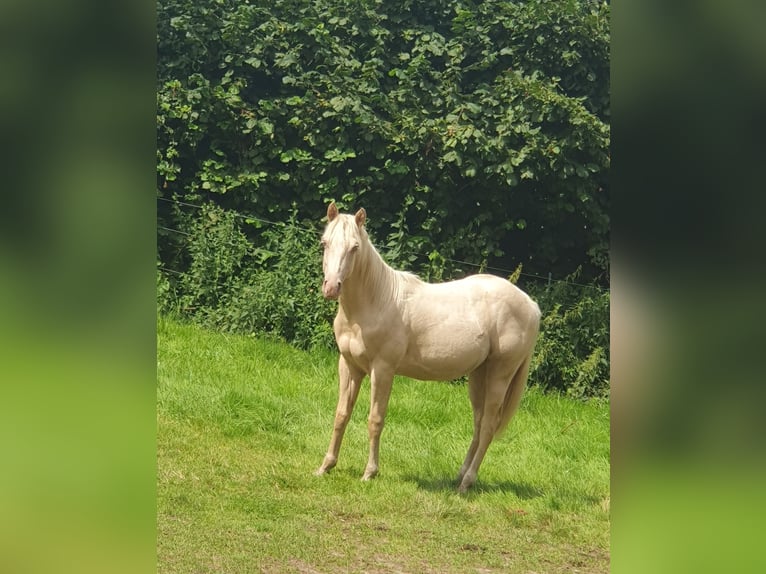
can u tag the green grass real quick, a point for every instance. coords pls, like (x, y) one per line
(243, 422)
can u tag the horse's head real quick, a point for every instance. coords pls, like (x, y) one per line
(341, 241)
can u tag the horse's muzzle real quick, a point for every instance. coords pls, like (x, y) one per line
(331, 289)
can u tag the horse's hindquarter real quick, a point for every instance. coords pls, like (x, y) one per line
(455, 326)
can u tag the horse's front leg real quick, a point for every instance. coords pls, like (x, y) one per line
(381, 380)
(349, 383)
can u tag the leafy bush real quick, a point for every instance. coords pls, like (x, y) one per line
(572, 353)
(221, 256)
(284, 295)
(166, 295)
(237, 286)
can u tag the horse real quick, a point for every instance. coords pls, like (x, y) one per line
(390, 323)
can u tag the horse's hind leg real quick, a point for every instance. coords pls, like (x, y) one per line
(476, 394)
(496, 385)
(349, 383)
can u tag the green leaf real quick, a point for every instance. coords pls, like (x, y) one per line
(452, 157)
(267, 128)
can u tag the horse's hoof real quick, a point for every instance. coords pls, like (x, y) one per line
(324, 469)
(464, 487)
(369, 475)
(327, 465)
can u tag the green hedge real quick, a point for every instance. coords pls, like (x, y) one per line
(475, 131)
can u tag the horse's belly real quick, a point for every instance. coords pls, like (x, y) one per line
(445, 353)
(426, 372)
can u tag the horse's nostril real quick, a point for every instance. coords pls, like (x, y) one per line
(331, 289)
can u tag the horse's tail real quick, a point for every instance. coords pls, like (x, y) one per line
(518, 384)
(513, 395)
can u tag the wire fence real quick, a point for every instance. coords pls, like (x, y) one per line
(250, 219)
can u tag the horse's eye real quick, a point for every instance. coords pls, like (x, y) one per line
(323, 243)
(355, 247)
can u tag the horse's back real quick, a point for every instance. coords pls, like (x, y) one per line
(505, 293)
(479, 293)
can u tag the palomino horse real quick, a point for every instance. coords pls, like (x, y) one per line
(390, 322)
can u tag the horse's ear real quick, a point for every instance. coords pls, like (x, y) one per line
(332, 211)
(360, 217)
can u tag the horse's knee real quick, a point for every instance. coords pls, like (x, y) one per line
(341, 421)
(375, 425)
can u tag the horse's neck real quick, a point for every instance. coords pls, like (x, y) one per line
(372, 284)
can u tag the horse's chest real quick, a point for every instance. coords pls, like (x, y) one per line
(350, 343)
(352, 347)
(360, 345)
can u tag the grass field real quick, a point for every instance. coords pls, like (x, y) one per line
(243, 422)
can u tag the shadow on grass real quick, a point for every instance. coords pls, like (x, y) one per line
(444, 484)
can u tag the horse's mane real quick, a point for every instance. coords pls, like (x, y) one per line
(380, 277)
